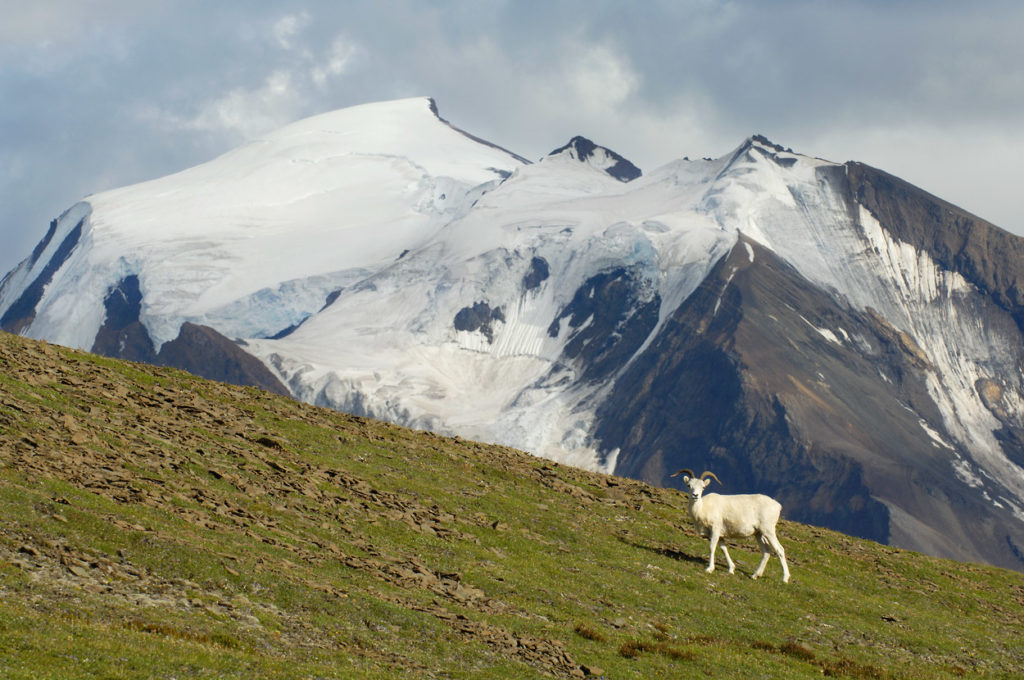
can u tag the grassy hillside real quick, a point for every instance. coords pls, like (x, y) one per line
(155, 525)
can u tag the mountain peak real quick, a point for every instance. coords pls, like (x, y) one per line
(582, 149)
(761, 140)
(432, 103)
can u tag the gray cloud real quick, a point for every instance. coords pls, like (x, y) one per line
(102, 93)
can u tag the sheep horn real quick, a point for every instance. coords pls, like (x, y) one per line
(686, 470)
(709, 473)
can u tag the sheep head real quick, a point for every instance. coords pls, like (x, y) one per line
(696, 484)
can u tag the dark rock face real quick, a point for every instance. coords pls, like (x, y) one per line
(778, 148)
(611, 315)
(122, 335)
(331, 297)
(41, 246)
(285, 332)
(202, 351)
(537, 275)
(502, 173)
(742, 381)
(764, 147)
(23, 311)
(622, 169)
(479, 317)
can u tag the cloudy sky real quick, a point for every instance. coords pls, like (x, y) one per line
(96, 94)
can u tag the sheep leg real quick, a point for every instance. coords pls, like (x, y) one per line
(714, 547)
(780, 551)
(725, 551)
(765, 554)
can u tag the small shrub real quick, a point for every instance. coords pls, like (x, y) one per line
(797, 650)
(583, 630)
(631, 649)
(845, 668)
(673, 652)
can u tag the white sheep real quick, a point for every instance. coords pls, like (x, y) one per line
(736, 516)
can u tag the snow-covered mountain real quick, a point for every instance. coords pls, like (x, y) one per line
(823, 332)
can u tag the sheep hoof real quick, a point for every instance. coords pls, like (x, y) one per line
(709, 569)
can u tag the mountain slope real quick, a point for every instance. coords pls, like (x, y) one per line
(756, 377)
(860, 339)
(155, 524)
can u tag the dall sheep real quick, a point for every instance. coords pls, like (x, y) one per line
(736, 516)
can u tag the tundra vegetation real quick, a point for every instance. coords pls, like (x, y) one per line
(155, 525)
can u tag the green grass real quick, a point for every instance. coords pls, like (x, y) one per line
(181, 528)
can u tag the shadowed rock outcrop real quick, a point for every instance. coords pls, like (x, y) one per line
(20, 314)
(122, 335)
(200, 350)
(583, 150)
